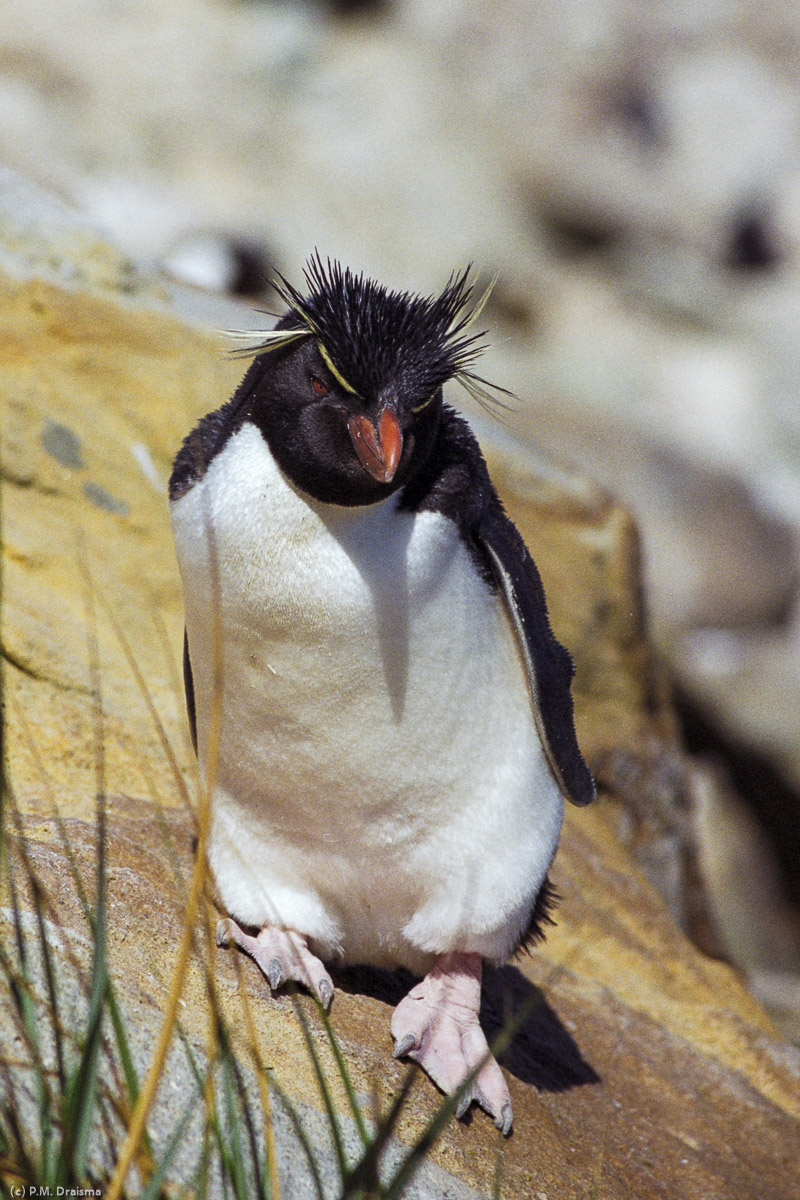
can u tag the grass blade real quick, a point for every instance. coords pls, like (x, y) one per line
(23, 996)
(325, 1091)
(81, 1094)
(344, 1073)
(154, 1184)
(365, 1176)
(302, 1138)
(38, 908)
(234, 1157)
(262, 1182)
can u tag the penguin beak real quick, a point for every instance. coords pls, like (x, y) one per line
(378, 449)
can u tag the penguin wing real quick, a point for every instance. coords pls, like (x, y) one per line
(548, 665)
(188, 685)
(455, 482)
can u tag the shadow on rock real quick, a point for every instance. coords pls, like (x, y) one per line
(388, 986)
(542, 1052)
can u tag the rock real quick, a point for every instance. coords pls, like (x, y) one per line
(759, 927)
(217, 263)
(640, 1062)
(716, 556)
(748, 852)
(750, 680)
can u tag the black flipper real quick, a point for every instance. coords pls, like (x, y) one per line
(188, 684)
(455, 482)
(548, 665)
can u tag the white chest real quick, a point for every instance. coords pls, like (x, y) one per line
(373, 701)
(367, 620)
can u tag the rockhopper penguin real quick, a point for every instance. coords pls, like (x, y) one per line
(395, 727)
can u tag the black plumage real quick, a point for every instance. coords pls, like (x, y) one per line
(377, 337)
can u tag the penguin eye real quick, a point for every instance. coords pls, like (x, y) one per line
(319, 387)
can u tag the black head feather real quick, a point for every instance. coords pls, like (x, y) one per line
(374, 338)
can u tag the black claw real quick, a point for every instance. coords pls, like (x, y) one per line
(505, 1120)
(463, 1104)
(275, 973)
(406, 1043)
(223, 934)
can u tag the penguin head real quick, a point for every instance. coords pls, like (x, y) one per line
(347, 389)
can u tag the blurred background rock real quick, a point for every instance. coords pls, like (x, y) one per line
(632, 173)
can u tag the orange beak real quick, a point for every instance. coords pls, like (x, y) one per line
(378, 449)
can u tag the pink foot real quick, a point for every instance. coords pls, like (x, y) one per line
(281, 954)
(437, 1025)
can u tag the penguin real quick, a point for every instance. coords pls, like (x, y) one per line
(377, 701)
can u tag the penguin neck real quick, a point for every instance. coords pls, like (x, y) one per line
(313, 449)
(344, 516)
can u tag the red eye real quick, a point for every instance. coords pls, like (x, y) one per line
(319, 387)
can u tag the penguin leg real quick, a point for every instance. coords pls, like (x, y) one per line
(282, 954)
(437, 1025)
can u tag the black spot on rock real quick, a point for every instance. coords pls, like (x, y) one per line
(62, 444)
(752, 244)
(103, 499)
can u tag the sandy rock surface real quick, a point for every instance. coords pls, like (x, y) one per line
(644, 1069)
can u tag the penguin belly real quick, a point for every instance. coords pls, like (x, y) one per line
(378, 781)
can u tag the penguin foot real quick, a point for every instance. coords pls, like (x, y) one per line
(282, 955)
(437, 1025)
